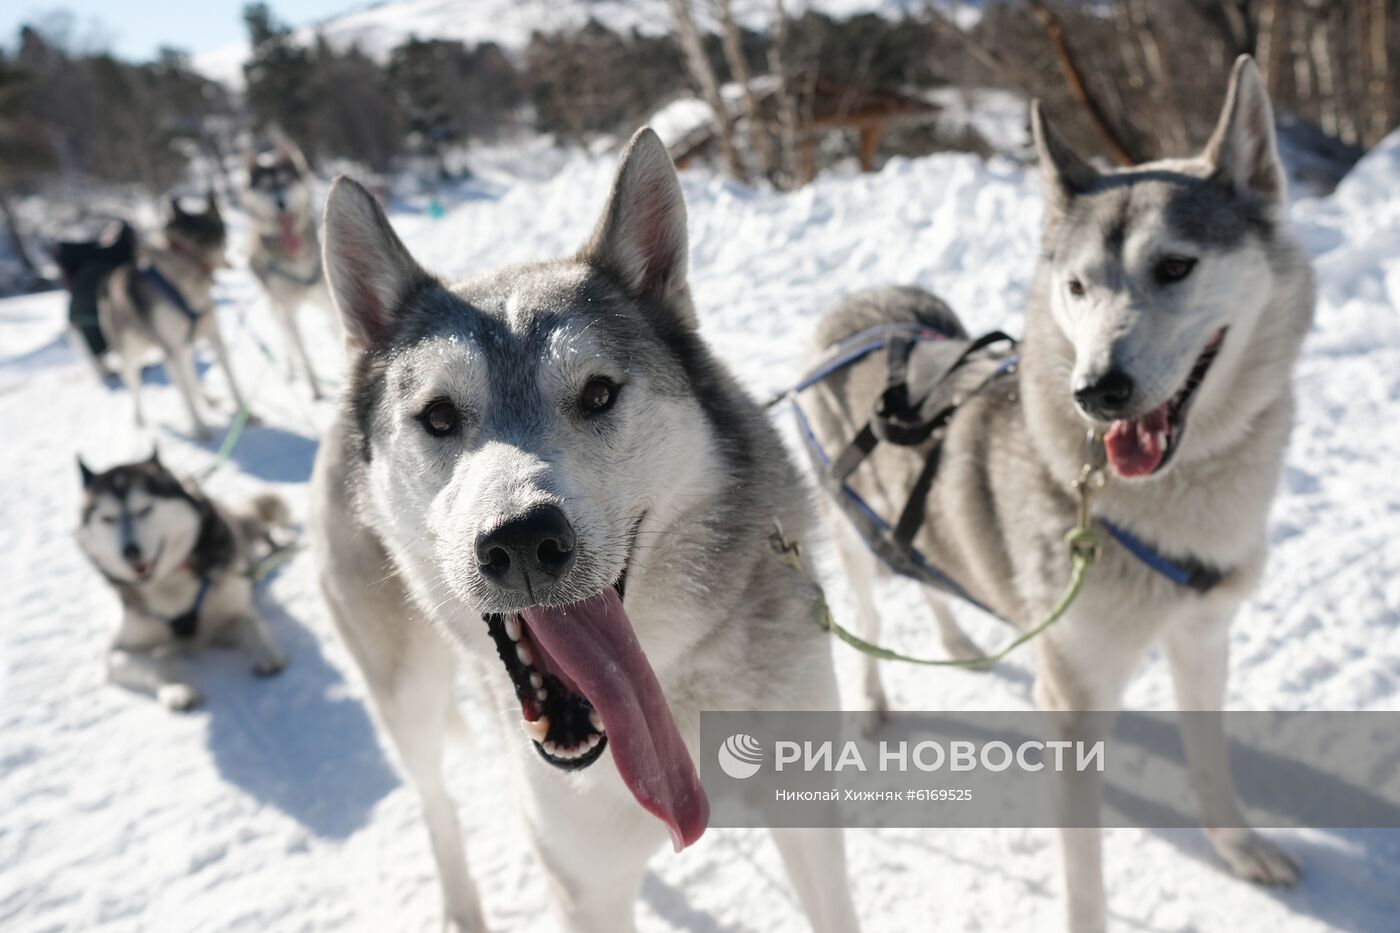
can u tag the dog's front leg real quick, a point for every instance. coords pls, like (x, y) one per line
(145, 672)
(286, 316)
(815, 860)
(179, 360)
(257, 642)
(1198, 652)
(216, 338)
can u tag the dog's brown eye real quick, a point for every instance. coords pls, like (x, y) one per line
(1076, 288)
(1173, 269)
(440, 418)
(597, 396)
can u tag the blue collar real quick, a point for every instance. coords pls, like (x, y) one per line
(169, 292)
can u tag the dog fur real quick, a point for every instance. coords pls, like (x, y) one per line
(157, 540)
(285, 253)
(136, 317)
(1003, 500)
(399, 516)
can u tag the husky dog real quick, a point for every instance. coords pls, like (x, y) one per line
(546, 467)
(164, 300)
(182, 565)
(286, 251)
(1169, 307)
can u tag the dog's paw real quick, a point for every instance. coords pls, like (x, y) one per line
(179, 697)
(1254, 858)
(270, 668)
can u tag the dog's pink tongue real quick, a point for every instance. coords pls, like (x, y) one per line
(594, 643)
(1136, 448)
(291, 239)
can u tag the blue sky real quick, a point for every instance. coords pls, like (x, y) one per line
(134, 29)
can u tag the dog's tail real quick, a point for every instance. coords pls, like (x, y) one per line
(892, 304)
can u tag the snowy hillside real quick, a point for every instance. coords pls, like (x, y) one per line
(275, 808)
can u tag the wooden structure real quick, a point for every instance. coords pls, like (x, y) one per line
(822, 106)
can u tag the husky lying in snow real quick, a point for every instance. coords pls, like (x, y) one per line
(164, 300)
(546, 467)
(1168, 310)
(182, 565)
(286, 251)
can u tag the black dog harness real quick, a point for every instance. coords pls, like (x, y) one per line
(897, 419)
(157, 280)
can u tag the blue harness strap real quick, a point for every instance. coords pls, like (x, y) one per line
(908, 560)
(1198, 577)
(169, 292)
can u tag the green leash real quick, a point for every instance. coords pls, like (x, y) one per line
(1083, 545)
(274, 560)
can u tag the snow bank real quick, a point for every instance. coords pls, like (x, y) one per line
(276, 808)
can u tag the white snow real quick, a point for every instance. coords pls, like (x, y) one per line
(277, 809)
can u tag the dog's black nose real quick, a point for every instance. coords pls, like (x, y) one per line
(538, 545)
(132, 553)
(1107, 398)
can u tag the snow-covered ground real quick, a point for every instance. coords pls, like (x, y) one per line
(276, 808)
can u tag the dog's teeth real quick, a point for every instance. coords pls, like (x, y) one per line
(536, 681)
(522, 651)
(593, 740)
(595, 720)
(552, 749)
(536, 730)
(512, 628)
(541, 695)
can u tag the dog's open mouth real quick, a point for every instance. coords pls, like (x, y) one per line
(585, 684)
(1145, 444)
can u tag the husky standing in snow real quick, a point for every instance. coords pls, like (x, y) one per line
(164, 300)
(1169, 307)
(286, 251)
(182, 565)
(545, 467)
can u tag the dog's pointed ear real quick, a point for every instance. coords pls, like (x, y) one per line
(367, 266)
(154, 458)
(1242, 151)
(1063, 173)
(212, 198)
(87, 474)
(641, 238)
(175, 209)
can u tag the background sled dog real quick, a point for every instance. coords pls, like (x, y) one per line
(164, 300)
(286, 250)
(182, 565)
(545, 467)
(1167, 312)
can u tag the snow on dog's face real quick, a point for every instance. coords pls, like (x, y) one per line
(138, 522)
(1157, 275)
(278, 195)
(521, 432)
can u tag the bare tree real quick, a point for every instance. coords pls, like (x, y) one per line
(704, 75)
(738, 66)
(1093, 107)
(786, 95)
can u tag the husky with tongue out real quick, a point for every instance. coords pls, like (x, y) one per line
(546, 468)
(285, 253)
(1166, 314)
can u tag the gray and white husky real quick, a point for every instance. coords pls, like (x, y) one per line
(546, 468)
(285, 254)
(182, 566)
(164, 301)
(1167, 312)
